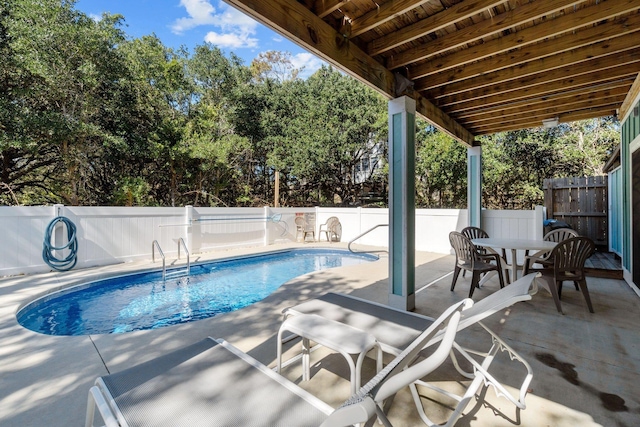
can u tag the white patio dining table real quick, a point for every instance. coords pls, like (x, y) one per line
(514, 245)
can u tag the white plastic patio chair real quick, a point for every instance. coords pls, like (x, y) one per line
(329, 229)
(304, 229)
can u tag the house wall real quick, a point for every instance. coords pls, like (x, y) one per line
(630, 142)
(109, 235)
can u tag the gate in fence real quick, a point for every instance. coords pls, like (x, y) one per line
(581, 203)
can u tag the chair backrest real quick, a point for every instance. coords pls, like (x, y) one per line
(499, 300)
(560, 234)
(336, 229)
(398, 373)
(331, 220)
(465, 251)
(571, 254)
(474, 233)
(302, 224)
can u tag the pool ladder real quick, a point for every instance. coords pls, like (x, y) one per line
(176, 272)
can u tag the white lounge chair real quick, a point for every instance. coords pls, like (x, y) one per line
(396, 329)
(211, 383)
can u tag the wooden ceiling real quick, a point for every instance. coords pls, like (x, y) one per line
(474, 67)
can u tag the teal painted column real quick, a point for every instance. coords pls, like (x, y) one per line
(625, 163)
(402, 203)
(474, 186)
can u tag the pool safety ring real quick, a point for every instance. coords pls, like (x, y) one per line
(68, 262)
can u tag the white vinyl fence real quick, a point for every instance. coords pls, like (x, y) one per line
(108, 235)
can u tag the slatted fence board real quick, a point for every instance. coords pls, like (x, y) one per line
(581, 202)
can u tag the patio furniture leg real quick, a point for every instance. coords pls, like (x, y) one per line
(501, 278)
(456, 273)
(474, 282)
(553, 288)
(306, 362)
(585, 292)
(560, 290)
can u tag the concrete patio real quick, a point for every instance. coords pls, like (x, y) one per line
(586, 366)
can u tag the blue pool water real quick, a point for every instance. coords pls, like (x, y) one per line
(145, 301)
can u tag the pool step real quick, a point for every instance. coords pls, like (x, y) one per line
(176, 273)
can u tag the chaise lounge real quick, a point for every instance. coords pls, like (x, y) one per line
(212, 383)
(395, 329)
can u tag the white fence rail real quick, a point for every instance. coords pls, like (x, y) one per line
(108, 235)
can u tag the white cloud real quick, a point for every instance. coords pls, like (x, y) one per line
(231, 40)
(200, 13)
(96, 18)
(310, 63)
(235, 28)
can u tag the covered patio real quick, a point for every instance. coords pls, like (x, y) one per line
(472, 68)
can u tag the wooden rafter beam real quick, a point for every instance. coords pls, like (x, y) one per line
(584, 60)
(383, 13)
(323, 8)
(624, 73)
(302, 26)
(451, 68)
(518, 16)
(452, 15)
(525, 107)
(547, 111)
(630, 99)
(578, 115)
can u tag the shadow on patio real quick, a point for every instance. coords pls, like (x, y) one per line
(586, 366)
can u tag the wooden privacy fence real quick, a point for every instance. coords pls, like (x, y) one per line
(581, 203)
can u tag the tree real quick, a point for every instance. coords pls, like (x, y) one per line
(88, 116)
(328, 126)
(59, 78)
(516, 163)
(441, 169)
(274, 65)
(583, 147)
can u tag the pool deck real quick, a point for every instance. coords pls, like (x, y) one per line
(586, 366)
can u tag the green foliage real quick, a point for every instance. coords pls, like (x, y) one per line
(133, 192)
(516, 163)
(441, 169)
(322, 131)
(91, 117)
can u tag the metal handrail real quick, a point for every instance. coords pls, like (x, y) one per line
(359, 236)
(155, 245)
(181, 243)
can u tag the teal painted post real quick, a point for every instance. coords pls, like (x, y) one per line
(625, 162)
(474, 186)
(402, 203)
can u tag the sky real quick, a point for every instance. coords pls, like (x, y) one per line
(193, 22)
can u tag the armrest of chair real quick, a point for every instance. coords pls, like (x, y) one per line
(539, 257)
(492, 257)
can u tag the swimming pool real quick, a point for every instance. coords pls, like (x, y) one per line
(144, 301)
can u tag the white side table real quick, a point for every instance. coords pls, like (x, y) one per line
(337, 336)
